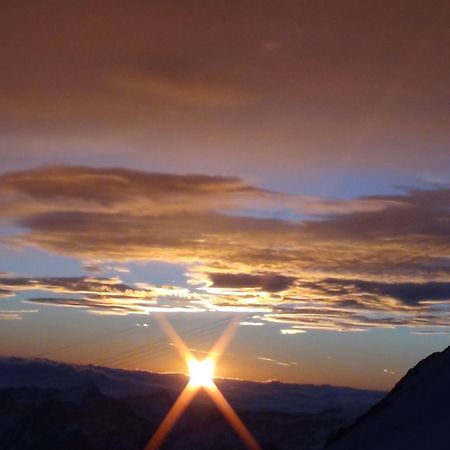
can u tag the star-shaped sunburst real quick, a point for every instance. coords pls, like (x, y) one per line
(201, 377)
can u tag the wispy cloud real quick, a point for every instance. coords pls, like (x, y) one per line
(274, 361)
(100, 295)
(251, 324)
(431, 332)
(211, 93)
(288, 331)
(15, 314)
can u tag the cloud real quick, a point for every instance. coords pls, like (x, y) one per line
(5, 293)
(96, 268)
(266, 282)
(15, 314)
(92, 267)
(195, 92)
(251, 324)
(407, 293)
(119, 269)
(418, 213)
(89, 190)
(315, 85)
(99, 305)
(288, 331)
(369, 262)
(78, 285)
(100, 295)
(274, 361)
(431, 332)
(81, 189)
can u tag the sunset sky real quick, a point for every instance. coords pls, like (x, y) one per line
(282, 163)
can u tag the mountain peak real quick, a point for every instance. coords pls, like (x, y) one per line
(414, 415)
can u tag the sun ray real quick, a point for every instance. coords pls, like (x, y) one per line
(201, 376)
(181, 347)
(234, 420)
(172, 417)
(224, 340)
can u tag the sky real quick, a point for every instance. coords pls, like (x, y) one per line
(280, 163)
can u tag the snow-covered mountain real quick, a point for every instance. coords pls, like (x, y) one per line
(46, 405)
(415, 415)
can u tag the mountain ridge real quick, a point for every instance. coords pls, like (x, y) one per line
(115, 409)
(400, 420)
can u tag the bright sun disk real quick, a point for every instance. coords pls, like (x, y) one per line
(201, 372)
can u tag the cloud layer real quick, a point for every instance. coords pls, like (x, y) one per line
(378, 261)
(256, 84)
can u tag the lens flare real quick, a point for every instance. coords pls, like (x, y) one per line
(201, 376)
(201, 372)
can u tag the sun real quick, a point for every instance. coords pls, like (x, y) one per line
(201, 375)
(201, 372)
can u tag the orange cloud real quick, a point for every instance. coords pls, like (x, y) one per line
(381, 264)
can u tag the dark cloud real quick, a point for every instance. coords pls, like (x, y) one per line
(5, 293)
(267, 282)
(419, 213)
(364, 293)
(368, 262)
(407, 293)
(115, 190)
(118, 190)
(99, 305)
(79, 285)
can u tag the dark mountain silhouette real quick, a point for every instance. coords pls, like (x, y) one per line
(415, 415)
(46, 405)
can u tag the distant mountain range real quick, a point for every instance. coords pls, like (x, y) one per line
(415, 415)
(46, 405)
